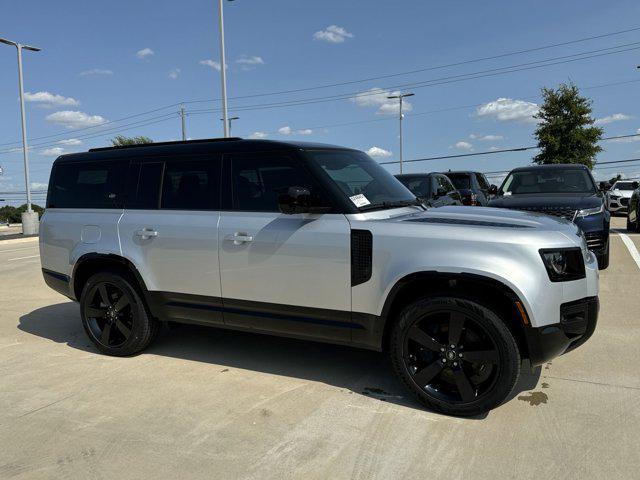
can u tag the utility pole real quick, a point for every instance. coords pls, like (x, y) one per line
(400, 97)
(223, 73)
(229, 120)
(184, 127)
(29, 218)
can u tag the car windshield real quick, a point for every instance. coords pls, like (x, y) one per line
(462, 181)
(365, 182)
(623, 186)
(556, 180)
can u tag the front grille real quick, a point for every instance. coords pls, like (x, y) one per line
(624, 201)
(595, 241)
(564, 212)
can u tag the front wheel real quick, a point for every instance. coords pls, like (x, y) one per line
(603, 259)
(455, 355)
(114, 315)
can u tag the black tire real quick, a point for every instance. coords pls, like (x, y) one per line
(603, 259)
(118, 325)
(631, 226)
(464, 386)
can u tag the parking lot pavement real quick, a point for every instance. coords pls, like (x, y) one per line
(203, 403)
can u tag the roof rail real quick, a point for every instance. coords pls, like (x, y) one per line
(177, 142)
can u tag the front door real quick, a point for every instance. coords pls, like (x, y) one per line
(282, 273)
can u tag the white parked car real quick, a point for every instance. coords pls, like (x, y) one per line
(314, 242)
(619, 195)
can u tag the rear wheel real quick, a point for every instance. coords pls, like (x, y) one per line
(114, 315)
(455, 355)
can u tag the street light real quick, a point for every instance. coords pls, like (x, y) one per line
(400, 97)
(230, 119)
(29, 218)
(223, 66)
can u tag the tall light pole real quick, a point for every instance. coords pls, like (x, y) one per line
(29, 218)
(400, 97)
(230, 119)
(223, 66)
(182, 114)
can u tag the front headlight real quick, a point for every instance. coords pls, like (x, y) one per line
(563, 264)
(585, 212)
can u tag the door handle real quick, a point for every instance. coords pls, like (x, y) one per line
(146, 233)
(239, 238)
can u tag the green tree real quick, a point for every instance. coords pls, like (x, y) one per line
(14, 214)
(566, 133)
(122, 141)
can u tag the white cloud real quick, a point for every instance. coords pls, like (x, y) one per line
(144, 53)
(378, 152)
(175, 73)
(462, 145)
(70, 142)
(332, 34)
(377, 97)
(509, 110)
(626, 139)
(286, 130)
(52, 152)
(210, 63)
(616, 117)
(258, 135)
(39, 186)
(48, 100)
(75, 119)
(305, 131)
(96, 71)
(253, 60)
(486, 138)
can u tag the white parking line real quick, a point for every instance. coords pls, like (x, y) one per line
(630, 246)
(22, 258)
(18, 249)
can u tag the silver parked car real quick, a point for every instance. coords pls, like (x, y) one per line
(314, 242)
(619, 195)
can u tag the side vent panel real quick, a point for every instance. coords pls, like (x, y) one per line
(361, 256)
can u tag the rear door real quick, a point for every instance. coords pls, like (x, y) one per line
(282, 273)
(169, 230)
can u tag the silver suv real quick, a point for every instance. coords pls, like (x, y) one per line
(314, 242)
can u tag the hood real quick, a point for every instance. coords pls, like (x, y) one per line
(621, 193)
(566, 200)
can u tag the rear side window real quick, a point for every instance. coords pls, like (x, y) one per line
(461, 181)
(191, 185)
(257, 181)
(419, 186)
(88, 185)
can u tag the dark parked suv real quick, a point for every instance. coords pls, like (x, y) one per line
(473, 187)
(434, 189)
(563, 190)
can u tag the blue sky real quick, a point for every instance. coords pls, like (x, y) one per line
(104, 61)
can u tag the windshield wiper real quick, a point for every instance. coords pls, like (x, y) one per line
(397, 204)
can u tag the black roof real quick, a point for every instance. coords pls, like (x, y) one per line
(197, 146)
(533, 168)
(461, 172)
(416, 175)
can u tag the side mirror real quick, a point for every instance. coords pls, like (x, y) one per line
(493, 190)
(440, 192)
(295, 200)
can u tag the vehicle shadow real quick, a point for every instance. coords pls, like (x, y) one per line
(359, 371)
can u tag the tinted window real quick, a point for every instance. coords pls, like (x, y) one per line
(419, 186)
(258, 180)
(444, 183)
(146, 187)
(555, 180)
(482, 181)
(460, 180)
(623, 186)
(357, 175)
(191, 185)
(88, 185)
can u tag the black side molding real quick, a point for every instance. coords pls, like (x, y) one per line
(57, 281)
(361, 256)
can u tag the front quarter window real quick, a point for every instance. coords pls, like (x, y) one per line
(362, 180)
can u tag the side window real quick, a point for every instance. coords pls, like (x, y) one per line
(191, 185)
(257, 181)
(145, 189)
(420, 187)
(444, 183)
(88, 184)
(482, 181)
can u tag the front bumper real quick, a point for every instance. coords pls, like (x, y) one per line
(620, 204)
(577, 323)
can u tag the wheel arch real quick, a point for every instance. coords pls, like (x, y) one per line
(487, 291)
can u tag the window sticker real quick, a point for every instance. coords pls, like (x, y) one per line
(360, 200)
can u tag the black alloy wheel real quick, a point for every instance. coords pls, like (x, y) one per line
(457, 356)
(115, 316)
